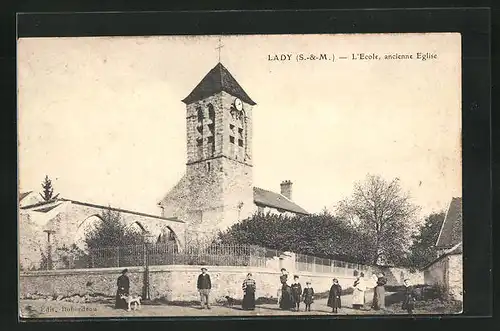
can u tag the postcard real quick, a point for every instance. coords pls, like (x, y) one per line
(240, 175)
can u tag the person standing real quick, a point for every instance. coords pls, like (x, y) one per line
(249, 288)
(123, 285)
(409, 297)
(308, 296)
(358, 295)
(374, 279)
(334, 300)
(296, 292)
(379, 296)
(204, 286)
(286, 302)
(283, 280)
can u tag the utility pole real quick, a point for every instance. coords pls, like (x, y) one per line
(49, 249)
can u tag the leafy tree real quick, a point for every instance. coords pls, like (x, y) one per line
(383, 213)
(111, 232)
(48, 191)
(321, 235)
(423, 250)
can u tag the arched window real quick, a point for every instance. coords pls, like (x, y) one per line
(211, 129)
(85, 227)
(211, 112)
(201, 116)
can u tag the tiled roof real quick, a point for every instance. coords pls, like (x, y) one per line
(217, 80)
(451, 230)
(24, 195)
(267, 198)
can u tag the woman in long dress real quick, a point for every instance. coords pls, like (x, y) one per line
(286, 302)
(249, 288)
(334, 300)
(358, 295)
(123, 285)
(379, 303)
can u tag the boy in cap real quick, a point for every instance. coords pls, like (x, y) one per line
(204, 285)
(308, 296)
(296, 292)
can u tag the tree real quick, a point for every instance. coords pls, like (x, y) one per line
(384, 214)
(111, 232)
(423, 250)
(48, 191)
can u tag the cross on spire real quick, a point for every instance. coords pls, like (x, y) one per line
(219, 47)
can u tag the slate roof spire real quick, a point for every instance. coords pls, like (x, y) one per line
(217, 80)
(451, 230)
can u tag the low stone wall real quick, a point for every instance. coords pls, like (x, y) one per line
(173, 283)
(395, 276)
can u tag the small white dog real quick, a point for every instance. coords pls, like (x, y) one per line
(131, 299)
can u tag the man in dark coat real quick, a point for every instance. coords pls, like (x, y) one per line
(204, 285)
(334, 301)
(123, 285)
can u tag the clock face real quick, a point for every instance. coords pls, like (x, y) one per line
(238, 104)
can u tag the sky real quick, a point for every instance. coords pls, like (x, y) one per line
(103, 117)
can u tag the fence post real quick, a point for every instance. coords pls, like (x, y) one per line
(118, 256)
(91, 258)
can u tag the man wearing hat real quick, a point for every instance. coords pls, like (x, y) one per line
(123, 289)
(204, 285)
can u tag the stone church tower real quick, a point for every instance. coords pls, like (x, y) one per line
(216, 191)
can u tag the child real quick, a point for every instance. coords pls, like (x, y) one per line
(296, 292)
(308, 296)
(334, 297)
(409, 297)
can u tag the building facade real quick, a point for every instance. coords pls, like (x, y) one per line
(217, 189)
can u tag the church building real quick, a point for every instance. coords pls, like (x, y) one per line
(217, 189)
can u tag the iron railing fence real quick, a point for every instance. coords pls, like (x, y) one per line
(320, 265)
(168, 254)
(152, 254)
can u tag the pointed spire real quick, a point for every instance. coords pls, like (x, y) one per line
(217, 80)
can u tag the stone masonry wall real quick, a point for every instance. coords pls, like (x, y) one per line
(174, 283)
(435, 274)
(455, 276)
(216, 191)
(447, 272)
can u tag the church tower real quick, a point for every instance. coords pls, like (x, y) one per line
(216, 190)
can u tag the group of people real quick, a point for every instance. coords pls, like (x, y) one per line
(204, 285)
(378, 283)
(291, 293)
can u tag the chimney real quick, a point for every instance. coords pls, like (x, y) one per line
(286, 189)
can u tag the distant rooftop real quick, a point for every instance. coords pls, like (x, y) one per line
(267, 198)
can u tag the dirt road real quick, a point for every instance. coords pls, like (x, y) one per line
(51, 309)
